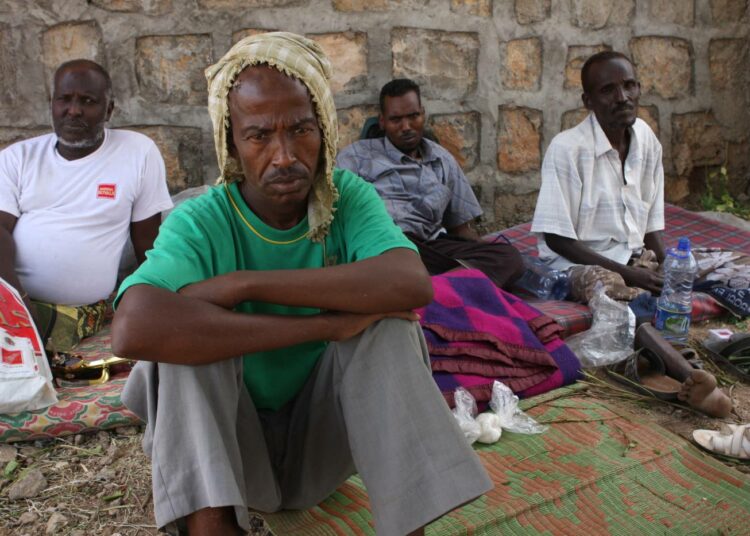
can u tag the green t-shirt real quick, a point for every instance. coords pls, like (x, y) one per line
(204, 237)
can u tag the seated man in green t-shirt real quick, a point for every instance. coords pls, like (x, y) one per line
(279, 353)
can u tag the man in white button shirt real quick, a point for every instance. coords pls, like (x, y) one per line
(70, 199)
(602, 196)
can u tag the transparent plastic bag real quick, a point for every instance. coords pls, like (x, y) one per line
(609, 340)
(505, 404)
(464, 412)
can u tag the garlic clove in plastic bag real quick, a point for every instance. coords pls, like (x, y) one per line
(490, 429)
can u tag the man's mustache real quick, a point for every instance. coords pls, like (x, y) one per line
(295, 171)
(74, 123)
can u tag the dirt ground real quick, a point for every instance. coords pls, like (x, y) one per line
(100, 483)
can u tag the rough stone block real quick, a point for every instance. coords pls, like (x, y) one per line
(577, 56)
(169, 68)
(181, 149)
(247, 32)
(8, 62)
(511, 209)
(650, 114)
(152, 7)
(665, 65)
(443, 63)
(531, 11)
(459, 134)
(242, 5)
(571, 118)
(10, 135)
(676, 188)
(727, 60)
(595, 14)
(69, 41)
(738, 167)
(696, 141)
(481, 8)
(360, 5)
(348, 54)
(523, 64)
(351, 121)
(728, 10)
(672, 11)
(519, 139)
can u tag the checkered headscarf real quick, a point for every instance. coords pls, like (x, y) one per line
(300, 58)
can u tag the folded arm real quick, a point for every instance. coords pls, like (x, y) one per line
(579, 253)
(196, 325)
(393, 281)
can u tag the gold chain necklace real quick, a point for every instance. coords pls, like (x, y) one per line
(254, 230)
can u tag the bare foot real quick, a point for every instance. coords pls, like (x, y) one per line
(700, 392)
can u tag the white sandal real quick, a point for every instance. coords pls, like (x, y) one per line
(734, 441)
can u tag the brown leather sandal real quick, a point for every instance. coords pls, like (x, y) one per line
(647, 337)
(644, 371)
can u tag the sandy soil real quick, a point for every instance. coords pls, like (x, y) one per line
(100, 484)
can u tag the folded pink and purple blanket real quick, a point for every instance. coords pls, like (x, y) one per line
(477, 333)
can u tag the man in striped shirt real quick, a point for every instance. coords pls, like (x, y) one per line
(602, 196)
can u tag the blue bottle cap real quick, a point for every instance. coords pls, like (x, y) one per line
(684, 244)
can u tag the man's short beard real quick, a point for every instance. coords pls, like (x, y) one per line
(82, 144)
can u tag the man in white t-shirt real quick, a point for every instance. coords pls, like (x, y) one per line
(69, 199)
(602, 196)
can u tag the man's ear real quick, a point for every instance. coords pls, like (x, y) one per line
(110, 109)
(585, 99)
(381, 121)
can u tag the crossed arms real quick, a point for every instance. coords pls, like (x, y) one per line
(578, 253)
(197, 325)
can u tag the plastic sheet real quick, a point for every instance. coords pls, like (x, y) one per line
(609, 340)
(464, 412)
(488, 427)
(505, 404)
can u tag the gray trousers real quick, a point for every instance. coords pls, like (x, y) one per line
(370, 406)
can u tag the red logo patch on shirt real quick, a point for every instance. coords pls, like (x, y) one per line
(106, 191)
(11, 357)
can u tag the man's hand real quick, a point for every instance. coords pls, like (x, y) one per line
(578, 253)
(347, 325)
(465, 230)
(643, 278)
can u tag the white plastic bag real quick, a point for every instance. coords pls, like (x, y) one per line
(609, 340)
(25, 376)
(487, 427)
(505, 404)
(464, 412)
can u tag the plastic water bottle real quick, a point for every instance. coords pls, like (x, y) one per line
(675, 304)
(542, 281)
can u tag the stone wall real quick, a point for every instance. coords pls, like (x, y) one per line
(500, 78)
